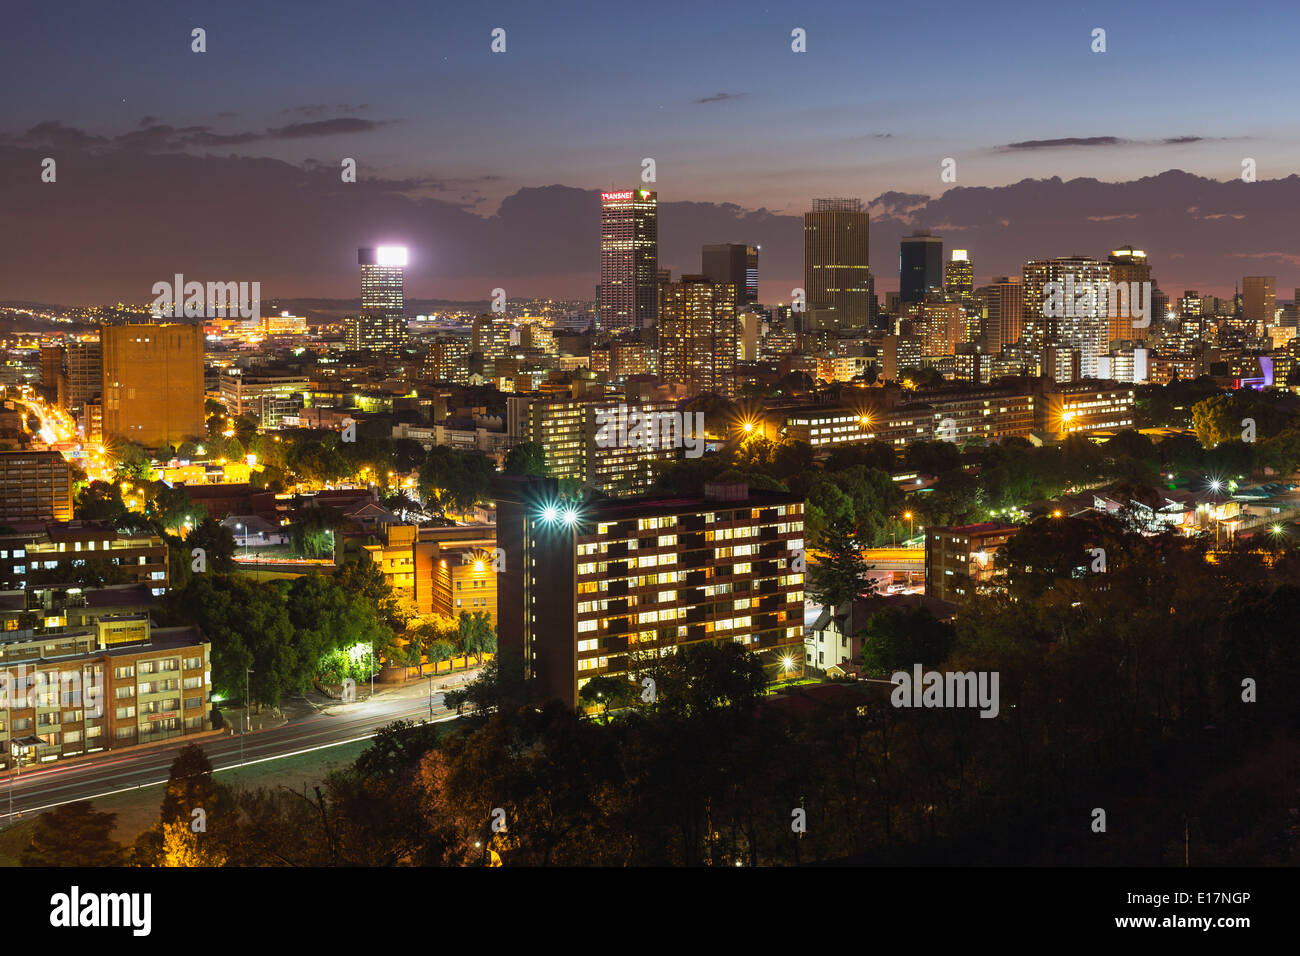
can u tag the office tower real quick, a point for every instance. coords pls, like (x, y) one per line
(1066, 307)
(697, 336)
(1002, 301)
(940, 324)
(51, 366)
(735, 264)
(1129, 265)
(629, 260)
(381, 326)
(836, 243)
(153, 382)
(1259, 301)
(607, 587)
(959, 275)
(34, 486)
(83, 374)
(920, 266)
(748, 324)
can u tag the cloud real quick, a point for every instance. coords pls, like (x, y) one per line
(329, 127)
(1071, 141)
(1065, 141)
(320, 109)
(720, 97)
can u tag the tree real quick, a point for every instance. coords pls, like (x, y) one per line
(475, 634)
(894, 640)
(837, 576)
(99, 501)
(217, 542)
(526, 458)
(608, 690)
(74, 834)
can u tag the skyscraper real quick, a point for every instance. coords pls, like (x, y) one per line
(959, 275)
(697, 336)
(153, 382)
(1066, 307)
(1002, 319)
(382, 322)
(736, 264)
(629, 260)
(836, 242)
(1130, 265)
(1259, 301)
(920, 265)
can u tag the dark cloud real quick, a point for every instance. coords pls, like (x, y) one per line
(135, 211)
(329, 127)
(720, 97)
(1069, 141)
(320, 109)
(1066, 141)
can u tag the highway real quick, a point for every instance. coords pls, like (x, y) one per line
(42, 788)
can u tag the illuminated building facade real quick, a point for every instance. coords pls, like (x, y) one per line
(698, 336)
(153, 382)
(34, 486)
(629, 260)
(606, 587)
(836, 264)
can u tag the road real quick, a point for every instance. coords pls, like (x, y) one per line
(54, 784)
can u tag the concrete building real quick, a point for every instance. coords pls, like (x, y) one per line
(153, 382)
(606, 586)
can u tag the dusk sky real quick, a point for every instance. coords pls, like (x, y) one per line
(225, 165)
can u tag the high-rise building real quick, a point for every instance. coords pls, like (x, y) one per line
(1066, 307)
(590, 439)
(1002, 301)
(920, 266)
(698, 336)
(959, 275)
(607, 587)
(1259, 301)
(51, 366)
(733, 263)
(83, 376)
(153, 382)
(836, 266)
(629, 260)
(1129, 265)
(940, 324)
(381, 326)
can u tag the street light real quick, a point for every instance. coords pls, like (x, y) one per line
(910, 532)
(246, 721)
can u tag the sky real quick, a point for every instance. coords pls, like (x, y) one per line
(224, 164)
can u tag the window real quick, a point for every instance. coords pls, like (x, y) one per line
(124, 713)
(124, 732)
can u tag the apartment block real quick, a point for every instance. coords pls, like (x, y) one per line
(66, 695)
(34, 486)
(604, 587)
(959, 560)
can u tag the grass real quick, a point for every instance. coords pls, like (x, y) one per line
(137, 810)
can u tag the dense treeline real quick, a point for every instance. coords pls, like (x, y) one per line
(1159, 691)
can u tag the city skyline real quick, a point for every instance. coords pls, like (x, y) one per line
(742, 143)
